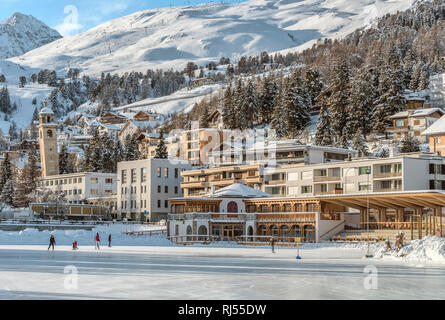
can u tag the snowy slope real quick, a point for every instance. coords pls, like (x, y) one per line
(21, 33)
(169, 37)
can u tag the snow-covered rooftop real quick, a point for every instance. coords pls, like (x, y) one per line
(436, 128)
(417, 113)
(46, 110)
(238, 190)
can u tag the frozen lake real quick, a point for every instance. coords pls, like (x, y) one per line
(31, 272)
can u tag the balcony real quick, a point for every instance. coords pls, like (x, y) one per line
(387, 175)
(327, 179)
(388, 190)
(193, 184)
(275, 182)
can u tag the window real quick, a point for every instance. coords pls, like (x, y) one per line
(75, 180)
(80, 191)
(364, 170)
(400, 123)
(159, 189)
(94, 180)
(79, 180)
(166, 189)
(364, 187)
(158, 172)
(70, 181)
(143, 174)
(232, 207)
(108, 180)
(385, 168)
(176, 190)
(176, 173)
(94, 191)
(306, 175)
(124, 176)
(165, 172)
(133, 175)
(398, 167)
(306, 189)
(166, 203)
(159, 203)
(75, 191)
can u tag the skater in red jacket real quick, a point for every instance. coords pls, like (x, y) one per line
(97, 241)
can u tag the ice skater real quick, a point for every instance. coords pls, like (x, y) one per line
(75, 247)
(52, 242)
(272, 243)
(97, 241)
(109, 240)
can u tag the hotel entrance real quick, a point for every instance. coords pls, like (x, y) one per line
(227, 232)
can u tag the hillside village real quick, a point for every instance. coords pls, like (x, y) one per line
(275, 144)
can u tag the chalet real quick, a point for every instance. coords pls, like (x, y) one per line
(114, 118)
(132, 127)
(145, 116)
(414, 122)
(216, 119)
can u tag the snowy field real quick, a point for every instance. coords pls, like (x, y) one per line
(153, 268)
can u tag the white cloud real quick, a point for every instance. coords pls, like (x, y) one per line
(68, 28)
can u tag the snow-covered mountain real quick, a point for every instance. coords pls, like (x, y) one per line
(169, 37)
(21, 33)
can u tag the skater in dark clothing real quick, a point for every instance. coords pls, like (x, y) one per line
(52, 242)
(75, 247)
(272, 243)
(109, 240)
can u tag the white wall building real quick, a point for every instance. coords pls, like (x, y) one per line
(144, 187)
(80, 187)
(401, 173)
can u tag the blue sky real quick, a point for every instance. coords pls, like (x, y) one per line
(61, 14)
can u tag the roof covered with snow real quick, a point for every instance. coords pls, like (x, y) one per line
(238, 190)
(417, 113)
(437, 127)
(46, 110)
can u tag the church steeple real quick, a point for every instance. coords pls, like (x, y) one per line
(49, 156)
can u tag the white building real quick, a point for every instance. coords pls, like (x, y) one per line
(144, 187)
(401, 173)
(80, 187)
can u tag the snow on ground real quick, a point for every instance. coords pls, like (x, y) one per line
(84, 237)
(169, 37)
(31, 272)
(429, 249)
(146, 267)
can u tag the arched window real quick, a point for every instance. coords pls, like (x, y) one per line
(232, 207)
(202, 230)
(189, 230)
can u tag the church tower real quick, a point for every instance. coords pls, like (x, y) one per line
(49, 156)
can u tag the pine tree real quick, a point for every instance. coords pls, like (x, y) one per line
(267, 96)
(339, 101)
(314, 84)
(63, 160)
(391, 99)
(161, 149)
(228, 109)
(409, 144)
(7, 194)
(361, 107)
(324, 135)
(359, 143)
(248, 107)
(6, 172)
(205, 117)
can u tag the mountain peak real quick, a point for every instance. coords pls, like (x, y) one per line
(21, 33)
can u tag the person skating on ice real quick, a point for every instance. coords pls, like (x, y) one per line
(52, 242)
(97, 240)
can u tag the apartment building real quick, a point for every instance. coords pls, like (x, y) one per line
(199, 182)
(79, 188)
(276, 153)
(144, 187)
(196, 143)
(401, 173)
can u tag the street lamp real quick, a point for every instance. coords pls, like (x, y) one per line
(368, 254)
